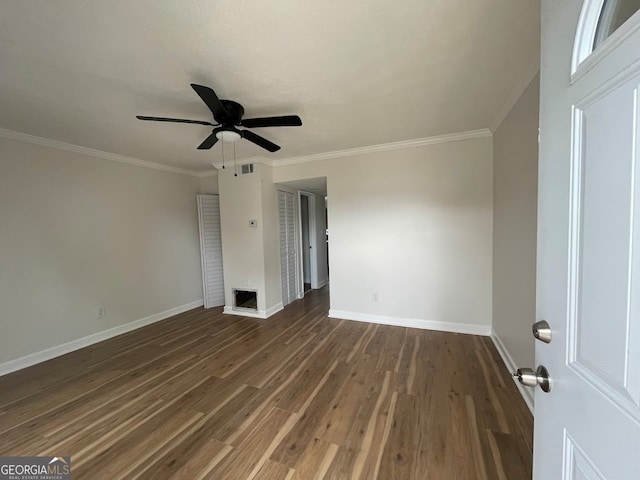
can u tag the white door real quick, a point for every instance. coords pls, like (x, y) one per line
(211, 250)
(288, 254)
(588, 425)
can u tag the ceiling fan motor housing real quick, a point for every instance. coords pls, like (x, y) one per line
(235, 111)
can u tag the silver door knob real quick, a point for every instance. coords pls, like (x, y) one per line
(530, 378)
(542, 331)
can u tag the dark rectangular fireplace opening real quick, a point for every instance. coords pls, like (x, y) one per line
(245, 299)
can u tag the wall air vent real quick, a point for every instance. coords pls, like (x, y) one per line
(247, 168)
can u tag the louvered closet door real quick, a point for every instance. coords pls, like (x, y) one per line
(288, 256)
(291, 244)
(284, 251)
(211, 250)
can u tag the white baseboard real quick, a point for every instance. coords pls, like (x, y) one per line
(58, 350)
(413, 323)
(259, 314)
(526, 393)
(273, 310)
(322, 284)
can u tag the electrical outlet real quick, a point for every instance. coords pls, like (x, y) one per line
(102, 312)
(374, 297)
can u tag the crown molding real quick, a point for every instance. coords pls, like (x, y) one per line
(91, 152)
(528, 76)
(385, 147)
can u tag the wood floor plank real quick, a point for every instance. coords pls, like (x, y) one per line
(392, 349)
(241, 462)
(374, 436)
(435, 458)
(178, 458)
(375, 402)
(514, 458)
(267, 363)
(22, 412)
(299, 391)
(311, 416)
(336, 425)
(273, 471)
(427, 360)
(342, 464)
(315, 460)
(99, 405)
(297, 396)
(88, 436)
(408, 364)
(199, 462)
(243, 408)
(139, 445)
(399, 456)
(461, 438)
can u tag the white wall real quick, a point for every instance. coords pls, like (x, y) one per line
(251, 256)
(209, 184)
(271, 224)
(78, 233)
(413, 225)
(515, 222)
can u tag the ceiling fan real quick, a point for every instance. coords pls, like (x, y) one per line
(228, 115)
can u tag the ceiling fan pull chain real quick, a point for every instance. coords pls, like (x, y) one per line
(235, 165)
(222, 155)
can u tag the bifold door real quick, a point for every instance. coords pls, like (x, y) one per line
(211, 250)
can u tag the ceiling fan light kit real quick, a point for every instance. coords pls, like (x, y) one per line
(228, 136)
(228, 115)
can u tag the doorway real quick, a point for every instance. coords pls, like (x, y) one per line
(308, 238)
(309, 247)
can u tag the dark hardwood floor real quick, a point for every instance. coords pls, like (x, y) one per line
(298, 396)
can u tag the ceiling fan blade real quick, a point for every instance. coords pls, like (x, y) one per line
(175, 120)
(260, 141)
(209, 142)
(209, 97)
(284, 121)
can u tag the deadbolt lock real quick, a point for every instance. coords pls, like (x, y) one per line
(542, 331)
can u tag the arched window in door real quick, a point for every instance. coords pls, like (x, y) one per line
(599, 20)
(614, 13)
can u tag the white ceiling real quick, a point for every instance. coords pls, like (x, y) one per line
(358, 72)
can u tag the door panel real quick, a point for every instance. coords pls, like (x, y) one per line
(577, 465)
(211, 250)
(288, 255)
(588, 425)
(604, 274)
(284, 255)
(292, 272)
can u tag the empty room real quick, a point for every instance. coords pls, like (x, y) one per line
(279, 240)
